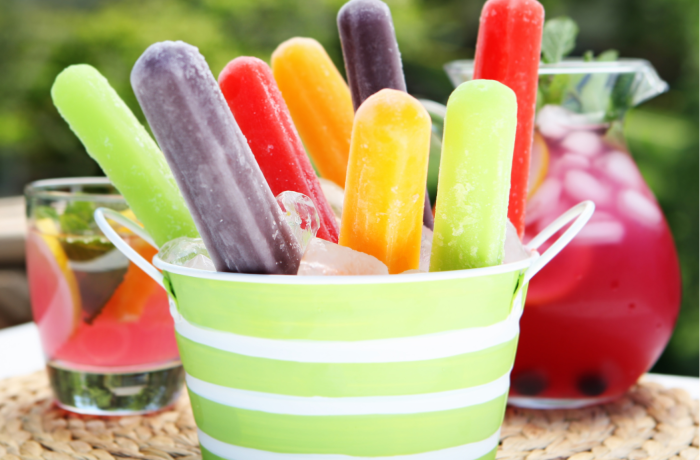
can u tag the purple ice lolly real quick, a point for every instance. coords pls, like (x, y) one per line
(233, 208)
(370, 50)
(372, 57)
(428, 219)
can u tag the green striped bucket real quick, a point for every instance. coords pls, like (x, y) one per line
(404, 366)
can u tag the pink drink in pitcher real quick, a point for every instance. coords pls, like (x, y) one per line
(600, 314)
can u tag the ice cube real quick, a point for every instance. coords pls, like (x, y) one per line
(551, 121)
(638, 207)
(543, 201)
(583, 142)
(426, 246)
(301, 216)
(582, 186)
(200, 262)
(572, 161)
(598, 233)
(513, 248)
(620, 167)
(181, 250)
(555, 122)
(323, 258)
(334, 194)
(601, 216)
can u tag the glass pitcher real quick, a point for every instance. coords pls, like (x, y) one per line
(601, 313)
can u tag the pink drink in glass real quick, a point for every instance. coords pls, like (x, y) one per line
(104, 324)
(133, 329)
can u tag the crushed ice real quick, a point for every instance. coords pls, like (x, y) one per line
(300, 214)
(181, 250)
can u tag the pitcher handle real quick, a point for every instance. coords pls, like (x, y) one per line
(580, 214)
(101, 215)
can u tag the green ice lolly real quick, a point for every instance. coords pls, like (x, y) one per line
(124, 150)
(474, 181)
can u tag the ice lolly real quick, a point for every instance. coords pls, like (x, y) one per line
(370, 50)
(258, 107)
(124, 150)
(372, 58)
(477, 154)
(508, 50)
(319, 102)
(236, 214)
(384, 190)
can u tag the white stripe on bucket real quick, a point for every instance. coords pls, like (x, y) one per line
(355, 405)
(471, 451)
(401, 349)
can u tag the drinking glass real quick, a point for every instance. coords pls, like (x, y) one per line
(104, 324)
(601, 313)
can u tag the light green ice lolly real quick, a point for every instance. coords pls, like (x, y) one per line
(123, 148)
(474, 181)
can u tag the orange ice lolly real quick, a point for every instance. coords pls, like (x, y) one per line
(130, 298)
(385, 186)
(319, 100)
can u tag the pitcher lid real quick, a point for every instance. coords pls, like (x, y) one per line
(647, 83)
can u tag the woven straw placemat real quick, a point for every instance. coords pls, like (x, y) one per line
(650, 422)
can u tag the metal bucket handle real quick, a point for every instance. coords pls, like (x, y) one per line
(101, 215)
(579, 214)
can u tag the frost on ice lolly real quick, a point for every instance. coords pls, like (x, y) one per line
(508, 50)
(319, 101)
(233, 207)
(372, 58)
(259, 109)
(477, 153)
(124, 150)
(384, 191)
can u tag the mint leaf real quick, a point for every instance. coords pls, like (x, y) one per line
(590, 93)
(608, 56)
(77, 218)
(558, 85)
(621, 96)
(45, 212)
(602, 96)
(558, 39)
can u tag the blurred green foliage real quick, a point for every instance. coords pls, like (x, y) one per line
(38, 38)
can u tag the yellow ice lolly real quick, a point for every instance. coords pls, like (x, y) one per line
(385, 185)
(472, 200)
(319, 101)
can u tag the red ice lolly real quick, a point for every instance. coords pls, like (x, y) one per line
(508, 50)
(258, 107)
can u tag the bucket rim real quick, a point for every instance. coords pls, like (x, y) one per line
(577, 216)
(337, 280)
